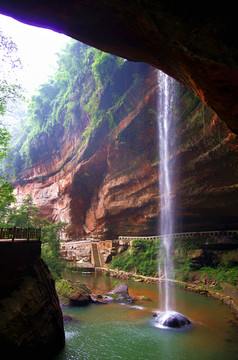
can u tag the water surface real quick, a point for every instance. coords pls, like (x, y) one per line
(116, 331)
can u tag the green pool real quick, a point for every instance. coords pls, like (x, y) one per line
(115, 331)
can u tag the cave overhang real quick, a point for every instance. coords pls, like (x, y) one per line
(195, 45)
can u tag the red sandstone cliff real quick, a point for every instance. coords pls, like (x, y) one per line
(108, 185)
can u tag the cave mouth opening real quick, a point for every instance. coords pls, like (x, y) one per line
(197, 48)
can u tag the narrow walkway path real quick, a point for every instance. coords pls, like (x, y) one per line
(184, 234)
(95, 255)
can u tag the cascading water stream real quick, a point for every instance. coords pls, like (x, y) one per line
(166, 97)
(165, 126)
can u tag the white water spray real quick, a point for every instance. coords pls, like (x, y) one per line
(168, 318)
(166, 134)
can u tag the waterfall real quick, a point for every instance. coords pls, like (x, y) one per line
(166, 90)
(166, 126)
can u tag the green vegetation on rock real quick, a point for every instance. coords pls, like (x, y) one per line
(142, 258)
(82, 75)
(68, 292)
(191, 262)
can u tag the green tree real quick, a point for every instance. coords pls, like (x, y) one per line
(50, 236)
(25, 215)
(6, 200)
(9, 92)
(29, 215)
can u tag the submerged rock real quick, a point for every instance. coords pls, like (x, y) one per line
(68, 318)
(119, 294)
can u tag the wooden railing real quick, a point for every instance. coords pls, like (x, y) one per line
(17, 233)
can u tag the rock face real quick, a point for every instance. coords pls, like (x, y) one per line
(195, 44)
(108, 185)
(31, 323)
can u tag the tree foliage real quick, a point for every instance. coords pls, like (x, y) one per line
(29, 215)
(6, 200)
(83, 72)
(25, 215)
(143, 258)
(10, 91)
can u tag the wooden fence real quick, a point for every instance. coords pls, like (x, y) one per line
(20, 234)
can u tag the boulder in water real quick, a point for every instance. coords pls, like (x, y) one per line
(172, 319)
(119, 294)
(67, 318)
(71, 294)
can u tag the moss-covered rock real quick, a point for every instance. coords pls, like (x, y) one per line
(76, 294)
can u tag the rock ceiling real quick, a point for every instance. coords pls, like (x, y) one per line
(194, 44)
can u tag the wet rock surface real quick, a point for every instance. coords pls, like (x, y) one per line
(118, 294)
(172, 319)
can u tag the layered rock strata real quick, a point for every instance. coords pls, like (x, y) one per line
(108, 185)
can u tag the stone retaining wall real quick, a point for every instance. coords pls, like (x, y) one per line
(76, 251)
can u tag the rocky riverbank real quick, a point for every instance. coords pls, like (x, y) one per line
(78, 294)
(228, 296)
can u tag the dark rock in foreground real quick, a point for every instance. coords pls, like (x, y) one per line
(31, 323)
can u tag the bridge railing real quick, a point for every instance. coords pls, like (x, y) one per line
(185, 234)
(17, 233)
